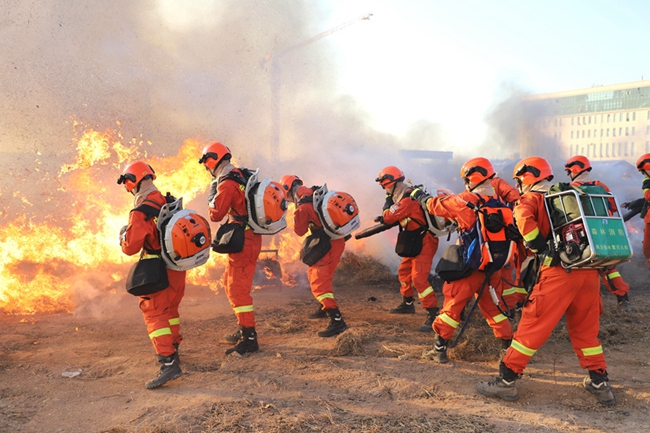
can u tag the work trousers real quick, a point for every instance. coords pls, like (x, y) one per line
(457, 293)
(575, 295)
(160, 312)
(614, 282)
(321, 275)
(238, 278)
(413, 273)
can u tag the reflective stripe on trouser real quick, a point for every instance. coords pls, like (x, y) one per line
(646, 242)
(321, 274)
(513, 296)
(160, 310)
(238, 279)
(456, 295)
(413, 273)
(557, 294)
(614, 282)
(177, 280)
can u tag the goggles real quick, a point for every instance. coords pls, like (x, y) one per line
(528, 169)
(208, 155)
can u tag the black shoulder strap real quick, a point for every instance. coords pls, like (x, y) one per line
(148, 210)
(240, 175)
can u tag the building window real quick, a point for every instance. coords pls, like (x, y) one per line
(627, 130)
(626, 149)
(647, 129)
(627, 117)
(648, 114)
(620, 149)
(607, 150)
(574, 118)
(589, 134)
(613, 132)
(634, 116)
(610, 115)
(583, 133)
(632, 148)
(590, 120)
(601, 150)
(601, 132)
(620, 131)
(633, 130)
(578, 120)
(571, 150)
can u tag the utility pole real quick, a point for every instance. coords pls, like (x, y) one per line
(276, 78)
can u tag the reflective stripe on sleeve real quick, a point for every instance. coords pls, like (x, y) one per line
(532, 235)
(175, 321)
(499, 318)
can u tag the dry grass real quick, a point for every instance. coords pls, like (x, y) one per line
(359, 268)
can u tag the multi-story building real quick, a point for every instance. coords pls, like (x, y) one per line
(602, 122)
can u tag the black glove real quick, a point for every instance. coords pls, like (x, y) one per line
(379, 219)
(388, 203)
(421, 196)
(170, 198)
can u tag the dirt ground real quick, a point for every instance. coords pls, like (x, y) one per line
(85, 371)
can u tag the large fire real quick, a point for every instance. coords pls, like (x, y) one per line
(47, 262)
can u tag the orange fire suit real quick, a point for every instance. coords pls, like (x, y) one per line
(557, 293)
(321, 274)
(413, 272)
(513, 291)
(646, 220)
(457, 293)
(610, 276)
(240, 270)
(160, 309)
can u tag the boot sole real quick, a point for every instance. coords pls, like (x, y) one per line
(150, 385)
(504, 397)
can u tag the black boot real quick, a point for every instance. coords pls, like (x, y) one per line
(624, 303)
(176, 356)
(439, 352)
(169, 370)
(598, 384)
(336, 325)
(406, 307)
(247, 342)
(318, 314)
(234, 337)
(431, 316)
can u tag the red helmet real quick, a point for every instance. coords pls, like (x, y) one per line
(643, 163)
(288, 181)
(213, 154)
(389, 175)
(477, 170)
(134, 173)
(576, 165)
(531, 170)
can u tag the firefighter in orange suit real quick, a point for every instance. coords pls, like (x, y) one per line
(160, 309)
(477, 174)
(413, 272)
(578, 168)
(557, 293)
(643, 165)
(321, 274)
(227, 198)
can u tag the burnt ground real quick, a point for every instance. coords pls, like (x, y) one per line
(85, 371)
